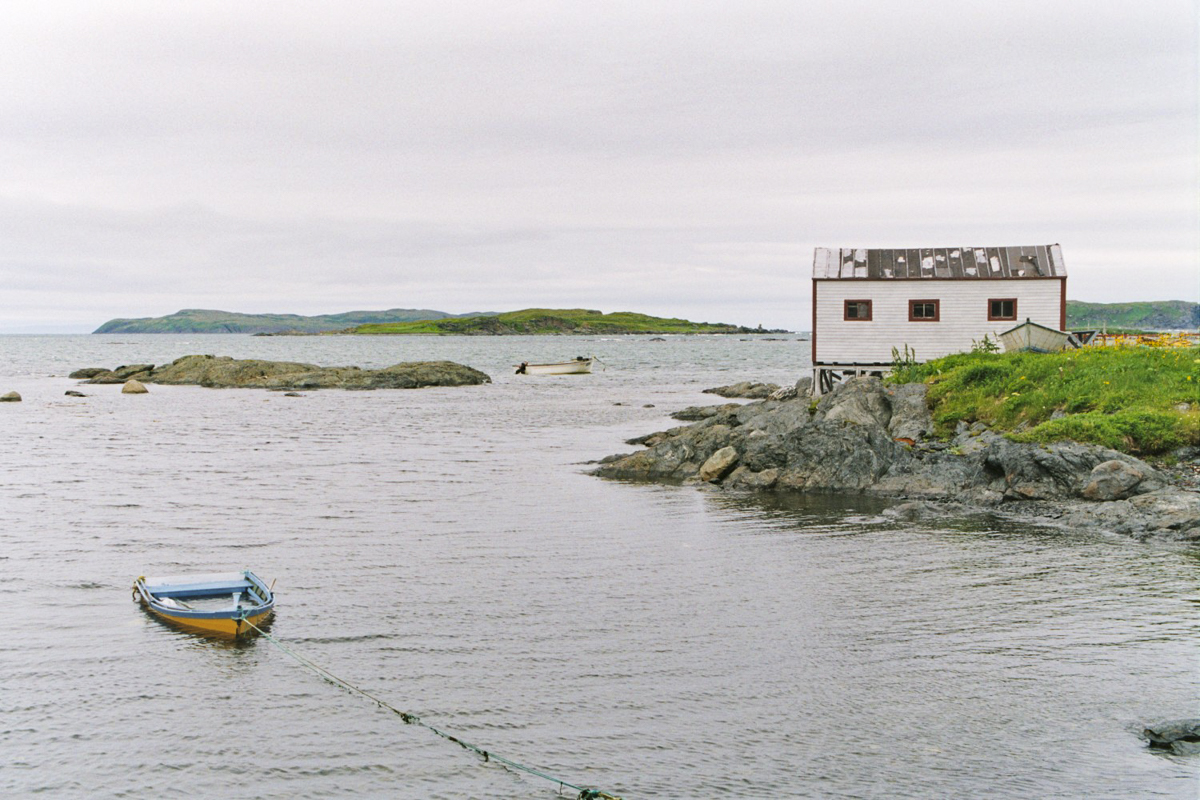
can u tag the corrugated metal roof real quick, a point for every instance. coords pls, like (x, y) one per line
(1033, 261)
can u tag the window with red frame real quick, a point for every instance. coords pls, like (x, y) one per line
(1002, 308)
(857, 311)
(924, 310)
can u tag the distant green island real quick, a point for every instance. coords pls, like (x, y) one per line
(1162, 315)
(577, 321)
(199, 320)
(1158, 315)
(419, 321)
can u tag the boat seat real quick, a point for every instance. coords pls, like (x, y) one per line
(199, 589)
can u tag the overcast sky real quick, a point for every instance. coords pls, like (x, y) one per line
(678, 159)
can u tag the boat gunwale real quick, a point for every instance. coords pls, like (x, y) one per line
(151, 601)
(1031, 323)
(570, 363)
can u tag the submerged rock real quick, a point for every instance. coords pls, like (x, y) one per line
(226, 372)
(73, 393)
(913, 511)
(1181, 736)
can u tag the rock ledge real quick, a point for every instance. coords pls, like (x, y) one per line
(226, 372)
(872, 438)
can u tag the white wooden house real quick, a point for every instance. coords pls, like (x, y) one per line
(935, 301)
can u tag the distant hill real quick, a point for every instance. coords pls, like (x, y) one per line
(554, 321)
(1164, 315)
(198, 320)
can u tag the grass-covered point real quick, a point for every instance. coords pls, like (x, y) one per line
(1160, 315)
(1143, 401)
(545, 320)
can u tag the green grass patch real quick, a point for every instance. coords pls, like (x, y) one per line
(1135, 316)
(1129, 399)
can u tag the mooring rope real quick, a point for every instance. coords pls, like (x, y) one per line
(412, 719)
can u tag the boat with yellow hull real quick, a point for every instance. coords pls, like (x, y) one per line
(226, 604)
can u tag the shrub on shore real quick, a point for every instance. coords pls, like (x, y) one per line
(1137, 400)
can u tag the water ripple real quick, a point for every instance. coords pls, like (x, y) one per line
(444, 550)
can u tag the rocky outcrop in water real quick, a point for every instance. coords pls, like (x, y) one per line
(226, 372)
(1181, 736)
(745, 390)
(873, 438)
(90, 372)
(697, 413)
(134, 387)
(10, 397)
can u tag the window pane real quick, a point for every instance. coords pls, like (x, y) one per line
(1003, 309)
(923, 310)
(858, 309)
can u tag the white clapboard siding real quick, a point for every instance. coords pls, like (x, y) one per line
(963, 316)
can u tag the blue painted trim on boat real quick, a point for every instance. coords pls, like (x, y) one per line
(199, 589)
(150, 598)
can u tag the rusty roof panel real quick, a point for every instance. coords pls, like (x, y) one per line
(954, 259)
(941, 263)
(946, 263)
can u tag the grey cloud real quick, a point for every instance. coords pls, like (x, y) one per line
(670, 156)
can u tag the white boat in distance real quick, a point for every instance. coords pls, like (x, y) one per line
(579, 366)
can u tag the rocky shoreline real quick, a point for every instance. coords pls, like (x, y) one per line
(226, 372)
(867, 437)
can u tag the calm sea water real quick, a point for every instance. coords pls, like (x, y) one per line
(446, 550)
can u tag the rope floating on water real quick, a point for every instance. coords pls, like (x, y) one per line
(585, 793)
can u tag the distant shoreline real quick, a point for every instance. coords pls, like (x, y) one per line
(532, 321)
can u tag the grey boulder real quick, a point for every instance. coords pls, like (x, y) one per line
(1114, 480)
(750, 390)
(719, 464)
